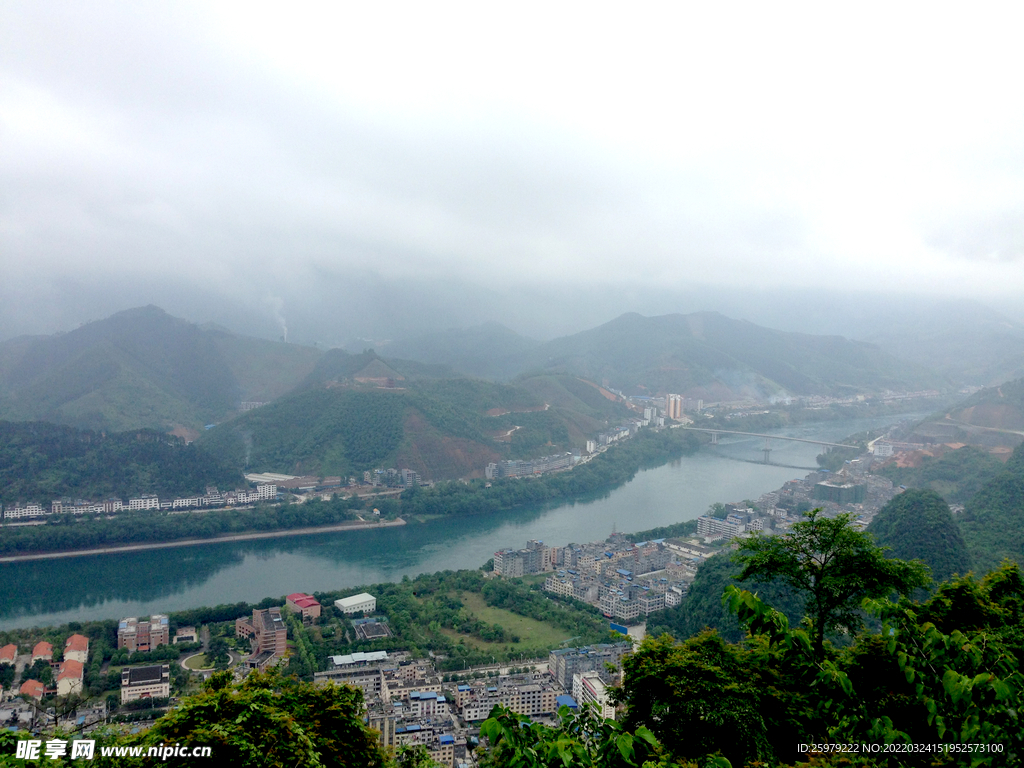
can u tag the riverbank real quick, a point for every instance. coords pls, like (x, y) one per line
(213, 540)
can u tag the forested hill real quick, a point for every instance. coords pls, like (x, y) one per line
(442, 428)
(40, 462)
(918, 525)
(993, 520)
(143, 368)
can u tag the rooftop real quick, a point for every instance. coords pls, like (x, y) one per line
(150, 674)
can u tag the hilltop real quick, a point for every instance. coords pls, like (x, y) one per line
(143, 368)
(704, 355)
(992, 417)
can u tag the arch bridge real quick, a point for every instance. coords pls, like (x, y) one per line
(714, 432)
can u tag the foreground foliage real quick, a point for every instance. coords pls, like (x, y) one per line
(944, 674)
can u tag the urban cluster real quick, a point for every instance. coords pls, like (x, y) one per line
(408, 703)
(212, 498)
(626, 581)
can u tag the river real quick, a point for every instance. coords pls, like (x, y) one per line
(50, 592)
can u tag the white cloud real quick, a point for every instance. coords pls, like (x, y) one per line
(249, 146)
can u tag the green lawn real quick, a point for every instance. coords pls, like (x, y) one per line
(530, 631)
(198, 662)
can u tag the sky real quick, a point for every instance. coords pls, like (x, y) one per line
(325, 172)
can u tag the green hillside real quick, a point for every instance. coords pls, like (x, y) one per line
(40, 462)
(714, 357)
(955, 475)
(442, 428)
(993, 520)
(917, 525)
(142, 368)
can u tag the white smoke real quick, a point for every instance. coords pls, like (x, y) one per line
(277, 307)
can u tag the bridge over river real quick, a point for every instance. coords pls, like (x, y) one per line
(714, 432)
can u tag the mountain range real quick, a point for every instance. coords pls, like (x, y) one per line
(703, 355)
(145, 368)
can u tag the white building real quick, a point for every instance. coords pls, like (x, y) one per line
(18, 511)
(151, 682)
(362, 602)
(145, 501)
(587, 688)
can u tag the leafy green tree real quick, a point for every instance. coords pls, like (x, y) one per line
(698, 698)
(267, 720)
(217, 653)
(702, 607)
(834, 566)
(579, 740)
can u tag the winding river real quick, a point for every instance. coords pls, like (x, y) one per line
(49, 592)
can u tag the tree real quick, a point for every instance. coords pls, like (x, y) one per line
(579, 740)
(267, 720)
(701, 697)
(835, 566)
(218, 653)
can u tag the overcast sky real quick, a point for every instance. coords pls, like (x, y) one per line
(275, 161)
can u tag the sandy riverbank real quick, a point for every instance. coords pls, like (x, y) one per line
(195, 542)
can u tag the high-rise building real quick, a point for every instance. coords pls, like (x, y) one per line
(674, 406)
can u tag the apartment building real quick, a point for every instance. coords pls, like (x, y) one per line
(77, 647)
(268, 636)
(138, 635)
(70, 677)
(589, 688)
(566, 662)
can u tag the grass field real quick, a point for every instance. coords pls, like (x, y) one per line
(198, 662)
(530, 631)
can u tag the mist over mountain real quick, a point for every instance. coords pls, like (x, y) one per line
(142, 368)
(704, 354)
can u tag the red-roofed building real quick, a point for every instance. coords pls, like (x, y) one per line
(43, 650)
(305, 604)
(33, 688)
(8, 654)
(77, 648)
(69, 679)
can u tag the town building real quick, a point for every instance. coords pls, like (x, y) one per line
(42, 651)
(840, 491)
(566, 662)
(186, 635)
(589, 688)
(143, 636)
(151, 682)
(268, 636)
(77, 647)
(69, 678)
(9, 654)
(306, 605)
(33, 688)
(145, 501)
(362, 602)
(18, 511)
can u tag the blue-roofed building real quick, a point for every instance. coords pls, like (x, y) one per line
(565, 700)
